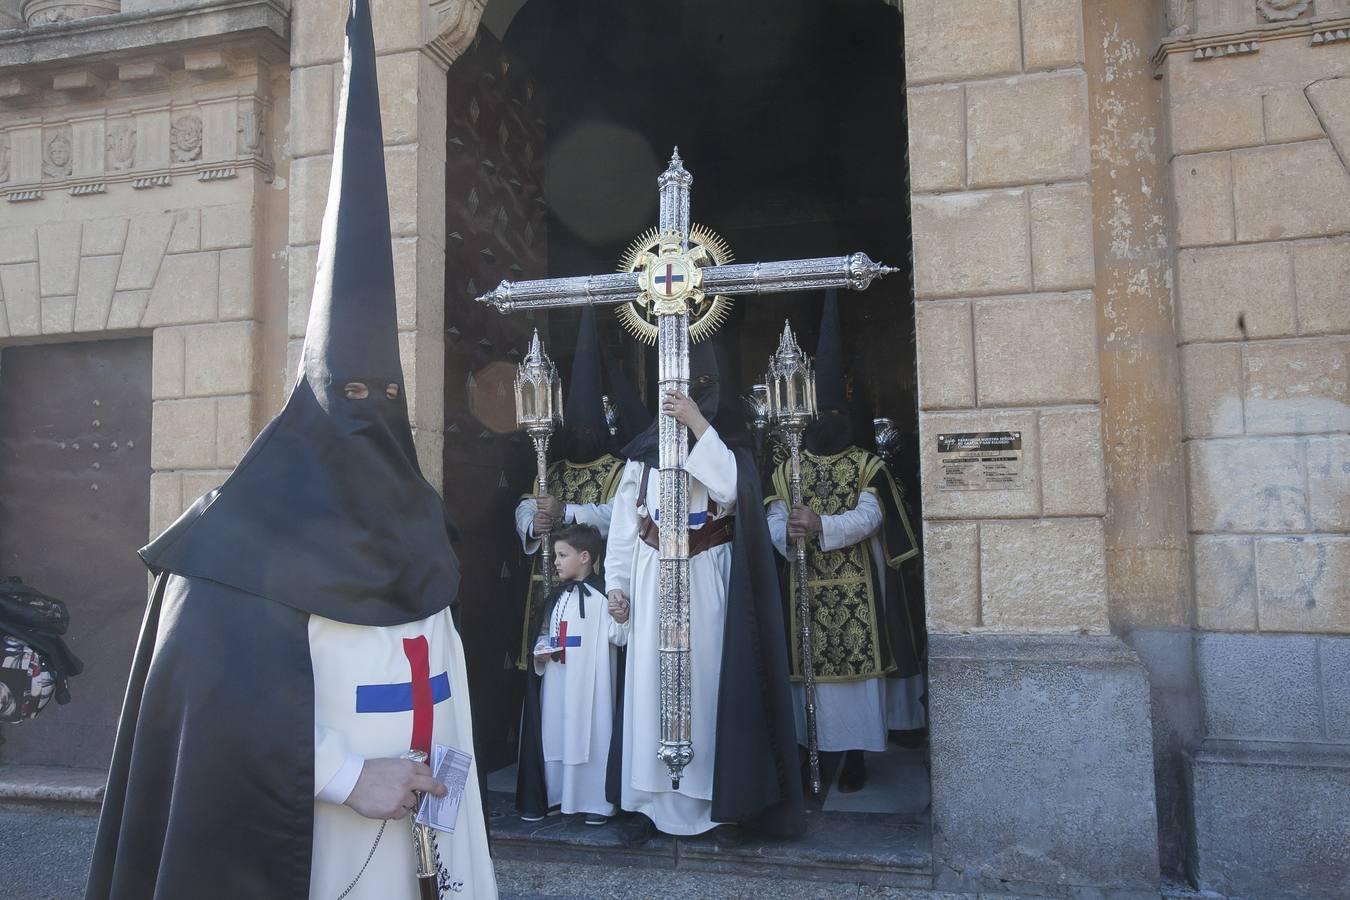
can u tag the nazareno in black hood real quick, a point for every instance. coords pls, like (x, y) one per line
(712, 386)
(328, 511)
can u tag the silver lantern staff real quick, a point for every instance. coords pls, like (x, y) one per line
(539, 411)
(792, 406)
(681, 278)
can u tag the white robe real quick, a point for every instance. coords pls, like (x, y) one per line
(634, 568)
(362, 682)
(577, 704)
(597, 514)
(853, 715)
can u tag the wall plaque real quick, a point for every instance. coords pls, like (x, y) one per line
(980, 461)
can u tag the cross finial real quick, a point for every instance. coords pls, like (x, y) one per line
(675, 157)
(675, 172)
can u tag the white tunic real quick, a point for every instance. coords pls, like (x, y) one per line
(577, 703)
(363, 710)
(634, 567)
(853, 715)
(596, 514)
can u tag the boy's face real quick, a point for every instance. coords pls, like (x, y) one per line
(571, 564)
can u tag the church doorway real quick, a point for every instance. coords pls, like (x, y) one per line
(791, 118)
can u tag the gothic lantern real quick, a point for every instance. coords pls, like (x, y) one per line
(757, 403)
(539, 404)
(792, 384)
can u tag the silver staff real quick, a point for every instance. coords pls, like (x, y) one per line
(676, 286)
(539, 411)
(792, 406)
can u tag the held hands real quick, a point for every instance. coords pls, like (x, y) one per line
(802, 523)
(386, 788)
(618, 606)
(685, 411)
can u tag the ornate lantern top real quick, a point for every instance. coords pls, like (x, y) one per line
(791, 383)
(539, 405)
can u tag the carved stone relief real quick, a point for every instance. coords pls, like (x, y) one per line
(121, 147)
(46, 12)
(4, 157)
(250, 127)
(186, 136)
(1281, 10)
(57, 153)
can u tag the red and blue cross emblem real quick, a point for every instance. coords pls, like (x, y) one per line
(669, 279)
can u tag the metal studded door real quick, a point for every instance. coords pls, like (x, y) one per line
(74, 508)
(495, 229)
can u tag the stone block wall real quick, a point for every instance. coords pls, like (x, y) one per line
(1260, 169)
(1004, 279)
(139, 204)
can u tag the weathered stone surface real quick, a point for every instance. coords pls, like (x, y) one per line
(18, 244)
(147, 239)
(1026, 130)
(971, 244)
(1246, 485)
(237, 295)
(398, 96)
(167, 374)
(316, 33)
(1043, 575)
(405, 281)
(93, 299)
(312, 102)
(1211, 377)
(23, 309)
(301, 273)
(1260, 686)
(1036, 350)
(937, 139)
(1061, 238)
(187, 231)
(1290, 191)
(944, 336)
(1271, 821)
(1073, 476)
(1049, 738)
(406, 191)
(1321, 272)
(1052, 33)
(166, 500)
(1289, 117)
(1330, 97)
(58, 258)
(1303, 584)
(951, 566)
(1216, 121)
(1203, 188)
(127, 309)
(1225, 582)
(1217, 286)
(219, 359)
(234, 428)
(199, 483)
(1297, 386)
(961, 39)
(309, 195)
(1334, 655)
(1329, 483)
(183, 434)
(105, 237)
(58, 315)
(228, 226)
(940, 504)
(185, 292)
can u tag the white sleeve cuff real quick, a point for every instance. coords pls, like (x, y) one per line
(340, 786)
(569, 513)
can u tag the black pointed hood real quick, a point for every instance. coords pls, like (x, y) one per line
(328, 511)
(832, 431)
(709, 364)
(632, 412)
(585, 435)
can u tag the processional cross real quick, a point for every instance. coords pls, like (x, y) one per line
(675, 283)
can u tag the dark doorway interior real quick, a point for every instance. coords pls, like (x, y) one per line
(791, 117)
(74, 478)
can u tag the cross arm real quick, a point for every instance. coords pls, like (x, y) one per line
(553, 293)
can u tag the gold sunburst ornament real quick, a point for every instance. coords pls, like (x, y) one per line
(671, 281)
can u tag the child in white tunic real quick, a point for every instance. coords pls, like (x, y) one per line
(577, 656)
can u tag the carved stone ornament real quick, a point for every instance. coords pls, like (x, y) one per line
(57, 154)
(186, 136)
(1180, 19)
(4, 157)
(250, 128)
(1282, 10)
(121, 147)
(47, 12)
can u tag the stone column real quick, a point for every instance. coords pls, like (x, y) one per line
(415, 43)
(1040, 733)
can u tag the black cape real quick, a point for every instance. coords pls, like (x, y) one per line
(211, 788)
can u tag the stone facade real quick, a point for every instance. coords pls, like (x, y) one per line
(1131, 227)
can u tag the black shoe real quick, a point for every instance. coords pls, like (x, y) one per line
(637, 830)
(728, 835)
(593, 819)
(853, 775)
